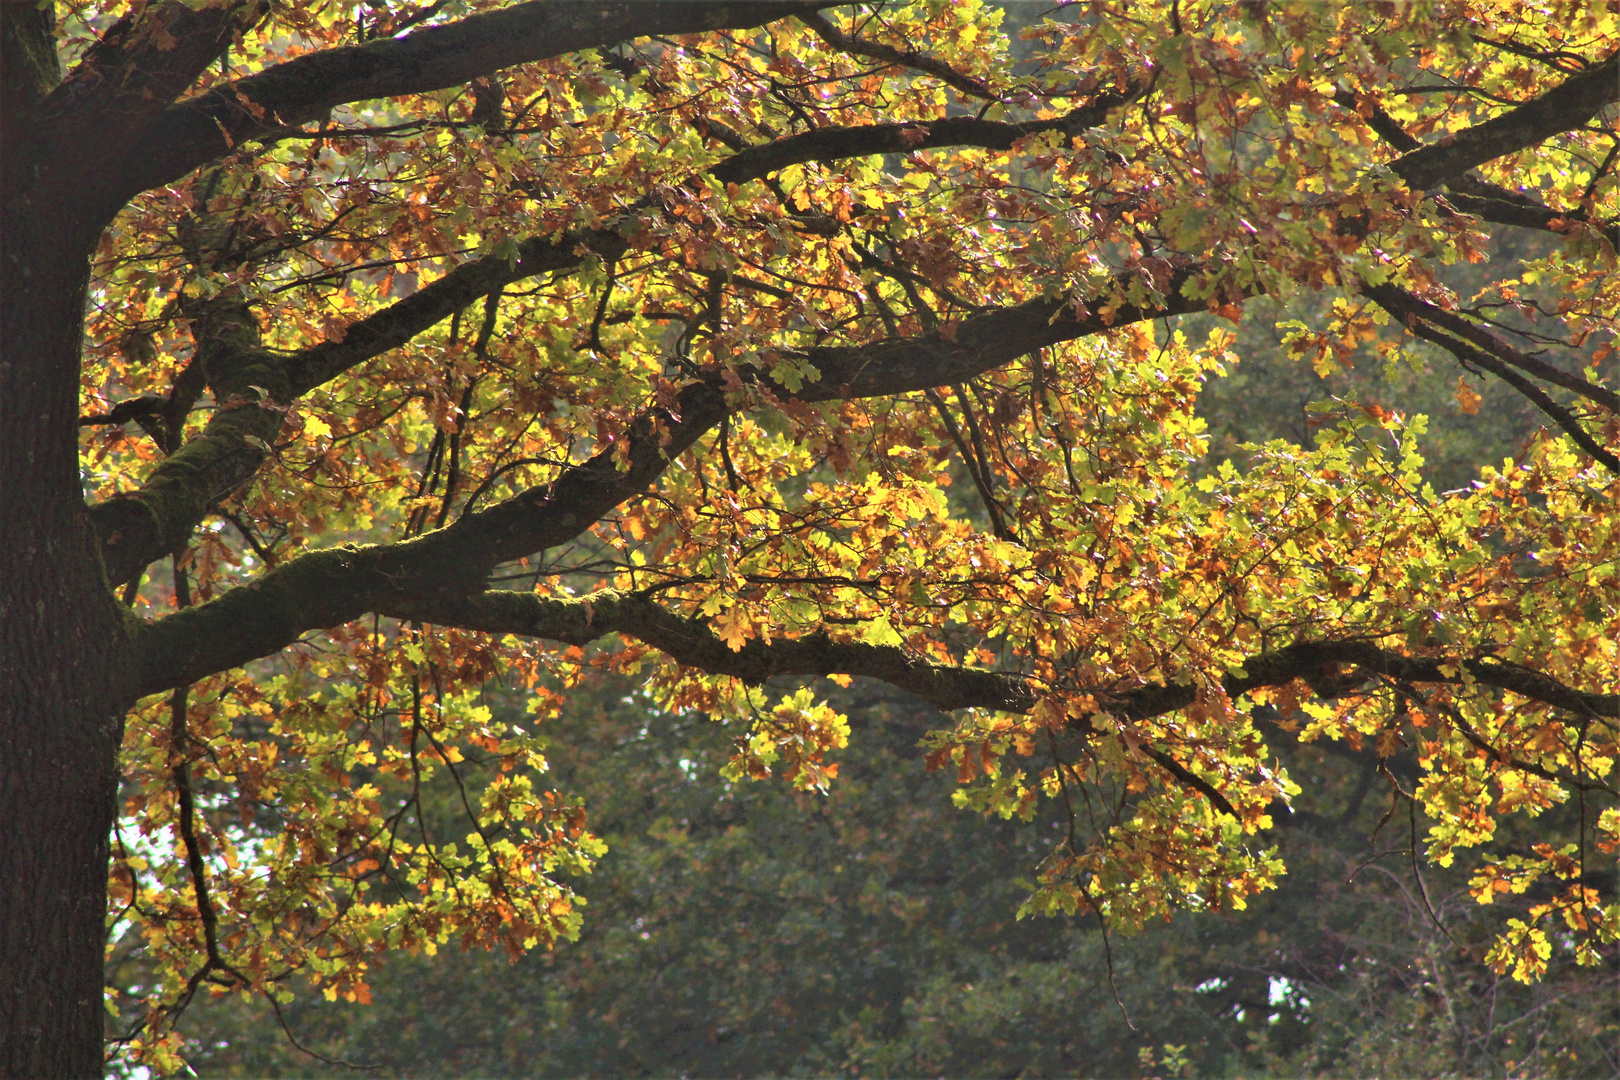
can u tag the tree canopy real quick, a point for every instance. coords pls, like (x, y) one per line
(362, 357)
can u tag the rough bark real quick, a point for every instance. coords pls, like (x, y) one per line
(64, 654)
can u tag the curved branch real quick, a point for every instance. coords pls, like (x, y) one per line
(916, 61)
(66, 149)
(195, 132)
(139, 527)
(1468, 355)
(690, 641)
(1405, 305)
(1538, 397)
(1566, 106)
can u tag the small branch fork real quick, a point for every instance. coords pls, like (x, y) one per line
(214, 963)
(180, 742)
(978, 466)
(916, 61)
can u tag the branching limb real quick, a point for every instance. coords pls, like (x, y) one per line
(257, 386)
(691, 642)
(326, 588)
(139, 528)
(101, 111)
(1468, 355)
(1569, 105)
(250, 385)
(196, 131)
(1468, 193)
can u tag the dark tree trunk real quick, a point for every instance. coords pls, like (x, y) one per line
(65, 661)
(65, 666)
(64, 670)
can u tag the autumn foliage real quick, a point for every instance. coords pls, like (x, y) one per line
(728, 344)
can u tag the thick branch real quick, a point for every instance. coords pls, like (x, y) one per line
(139, 528)
(142, 62)
(1489, 202)
(195, 132)
(87, 125)
(691, 642)
(251, 387)
(327, 588)
(1468, 193)
(824, 144)
(398, 323)
(965, 350)
(1569, 105)
(143, 526)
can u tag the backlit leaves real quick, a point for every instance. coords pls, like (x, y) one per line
(1057, 517)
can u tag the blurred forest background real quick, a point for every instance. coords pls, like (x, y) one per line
(745, 929)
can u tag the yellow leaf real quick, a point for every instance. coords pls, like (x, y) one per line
(1467, 400)
(735, 628)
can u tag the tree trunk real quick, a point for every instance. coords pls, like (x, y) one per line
(65, 666)
(60, 726)
(65, 657)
